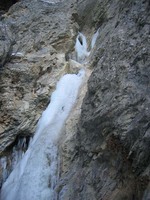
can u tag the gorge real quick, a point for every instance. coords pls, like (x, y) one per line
(103, 149)
(42, 154)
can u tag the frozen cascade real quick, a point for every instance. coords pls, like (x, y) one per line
(3, 168)
(18, 151)
(81, 48)
(35, 176)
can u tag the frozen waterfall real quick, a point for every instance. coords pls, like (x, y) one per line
(81, 48)
(35, 176)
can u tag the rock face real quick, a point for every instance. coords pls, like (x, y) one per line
(113, 138)
(104, 150)
(36, 50)
(34, 38)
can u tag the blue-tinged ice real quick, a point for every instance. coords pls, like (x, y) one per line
(35, 176)
(94, 38)
(81, 48)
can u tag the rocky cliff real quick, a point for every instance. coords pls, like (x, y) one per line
(34, 40)
(112, 142)
(104, 150)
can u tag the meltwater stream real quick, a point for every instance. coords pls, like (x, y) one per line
(35, 176)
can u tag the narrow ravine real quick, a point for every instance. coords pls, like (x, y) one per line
(36, 175)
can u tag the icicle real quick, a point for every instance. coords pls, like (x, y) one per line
(3, 167)
(94, 38)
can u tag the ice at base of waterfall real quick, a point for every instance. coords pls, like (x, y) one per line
(35, 176)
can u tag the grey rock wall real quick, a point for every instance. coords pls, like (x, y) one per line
(113, 138)
(34, 39)
(106, 154)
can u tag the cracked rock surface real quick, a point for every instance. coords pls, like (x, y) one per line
(104, 148)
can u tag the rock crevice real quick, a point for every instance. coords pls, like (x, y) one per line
(104, 150)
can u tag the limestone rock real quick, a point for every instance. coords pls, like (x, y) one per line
(104, 148)
(112, 159)
(42, 33)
